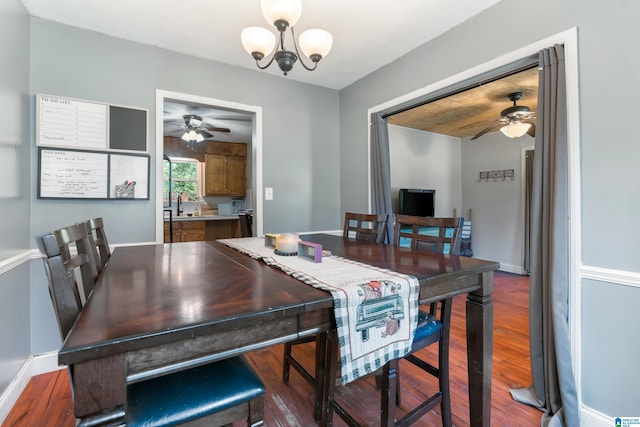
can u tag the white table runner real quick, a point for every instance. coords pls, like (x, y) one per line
(376, 310)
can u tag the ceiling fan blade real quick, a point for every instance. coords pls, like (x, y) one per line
(489, 129)
(205, 133)
(215, 129)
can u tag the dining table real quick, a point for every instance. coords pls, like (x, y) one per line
(158, 309)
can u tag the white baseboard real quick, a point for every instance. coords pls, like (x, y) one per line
(592, 418)
(508, 268)
(34, 365)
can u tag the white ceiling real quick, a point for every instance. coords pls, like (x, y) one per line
(367, 34)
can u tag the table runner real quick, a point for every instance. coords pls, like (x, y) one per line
(376, 310)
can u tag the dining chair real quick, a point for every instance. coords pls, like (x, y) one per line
(369, 227)
(217, 393)
(432, 233)
(431, 329)
(102, 252)
(439, 235)
(75, 239)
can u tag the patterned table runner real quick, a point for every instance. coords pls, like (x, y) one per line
(376, 310)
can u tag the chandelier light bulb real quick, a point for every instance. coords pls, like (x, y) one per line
(286, 10)
(258, 40)
(316, 42)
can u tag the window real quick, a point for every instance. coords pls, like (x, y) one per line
(186, 176)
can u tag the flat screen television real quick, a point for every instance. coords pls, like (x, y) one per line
(417, 202)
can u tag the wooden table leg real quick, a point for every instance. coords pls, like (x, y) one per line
(321, 354)
(480, 351)
(100, 390)
(330, 377)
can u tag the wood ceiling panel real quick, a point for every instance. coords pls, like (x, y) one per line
(466, 113)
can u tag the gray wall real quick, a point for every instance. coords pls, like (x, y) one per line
(497, 222)
(297, 129)
(608, 64)
(14, 192)
(426, 160)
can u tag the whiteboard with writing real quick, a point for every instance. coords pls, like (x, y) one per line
(73, 174)
(70, 123)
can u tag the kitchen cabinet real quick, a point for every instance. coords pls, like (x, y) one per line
(185, 231)
(226, 173)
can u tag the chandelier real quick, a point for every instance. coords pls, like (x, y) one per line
(283, 14)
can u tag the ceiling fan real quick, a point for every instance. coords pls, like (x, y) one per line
(195, 131)
(515, 121)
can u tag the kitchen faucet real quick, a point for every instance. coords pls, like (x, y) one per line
(178, 210)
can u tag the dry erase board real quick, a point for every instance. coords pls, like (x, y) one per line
(63, 122)
(78, 174)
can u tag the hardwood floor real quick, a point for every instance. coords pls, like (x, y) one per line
(46, 401)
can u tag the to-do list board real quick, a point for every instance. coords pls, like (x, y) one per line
(73, 174)
(71, 123)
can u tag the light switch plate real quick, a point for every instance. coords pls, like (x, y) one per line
(268, 193)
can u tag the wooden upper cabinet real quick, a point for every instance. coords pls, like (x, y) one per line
(237, 176)
(215, 172)
(226, 173)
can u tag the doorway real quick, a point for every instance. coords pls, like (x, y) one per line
(569, 40)
(236, 110)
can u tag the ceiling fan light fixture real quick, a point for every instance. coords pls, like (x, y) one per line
(515, 129)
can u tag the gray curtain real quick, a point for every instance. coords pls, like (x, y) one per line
(528, 194)
(381, 171)
(553, 389)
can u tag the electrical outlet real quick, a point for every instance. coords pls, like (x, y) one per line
(268, 193)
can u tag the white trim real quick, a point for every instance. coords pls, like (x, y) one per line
(568, 38)
(509, 268)
(618, 277)
(593, 418)
(256, 145)
(17, 260)
(34, 365)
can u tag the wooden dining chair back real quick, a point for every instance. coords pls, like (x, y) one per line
(102, 252)
(75, 239)
(216, 393)
(422, 232)
(369, 227)
(63, 288)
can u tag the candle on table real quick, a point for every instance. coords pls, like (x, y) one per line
(287, 242)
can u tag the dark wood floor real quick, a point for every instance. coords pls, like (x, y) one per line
(46, 401)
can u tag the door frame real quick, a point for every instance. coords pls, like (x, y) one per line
(568, 38)
(256, 151)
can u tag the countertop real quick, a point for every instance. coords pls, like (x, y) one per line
(202, 218)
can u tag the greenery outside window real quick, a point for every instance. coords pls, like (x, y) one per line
(186, 176)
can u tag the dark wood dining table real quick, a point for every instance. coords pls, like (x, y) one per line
(157, 309)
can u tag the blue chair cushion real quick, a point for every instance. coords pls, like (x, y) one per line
(428, 330)
(191, 394)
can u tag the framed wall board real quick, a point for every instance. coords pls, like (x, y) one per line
(78, 174)
(63, 122)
